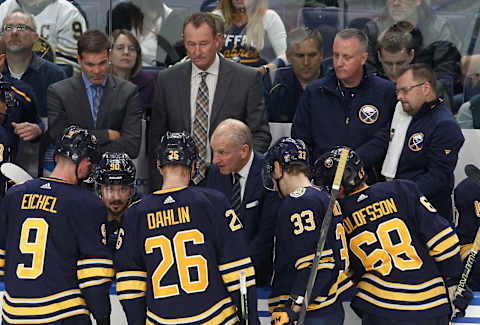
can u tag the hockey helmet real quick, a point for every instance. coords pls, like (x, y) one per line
(115, 168)
(286, 151)
(77, 143)
(325, 166)
(176, 148)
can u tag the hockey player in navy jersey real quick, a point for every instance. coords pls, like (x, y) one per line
(181, 249)
(467, 221)
(402, 252)
(115, 185)
(55, 268)
(286, 169)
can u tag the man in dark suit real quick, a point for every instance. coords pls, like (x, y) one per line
(196, 96)
(237, 172)
(108, 107)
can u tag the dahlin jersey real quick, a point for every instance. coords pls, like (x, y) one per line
(58, 22)
(298, 228)
(51, 257)
(180, 253)
(401, 250)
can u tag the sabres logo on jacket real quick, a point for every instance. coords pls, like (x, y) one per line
(368, 114)
(415, 142)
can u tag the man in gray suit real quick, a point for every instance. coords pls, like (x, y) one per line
(108, 107)
(196, 96)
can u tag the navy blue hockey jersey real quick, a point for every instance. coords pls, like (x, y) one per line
(467, 205)
(55, 265)
(298, 228)
(180, 254)
(401, 250)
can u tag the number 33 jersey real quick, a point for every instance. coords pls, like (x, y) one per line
(180, 254)
(400, 251)
(51, 253)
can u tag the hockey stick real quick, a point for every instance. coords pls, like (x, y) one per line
(243, 297)
(473, 174)
(327, 218)
(14, 173)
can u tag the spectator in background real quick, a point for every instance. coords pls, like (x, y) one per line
(196, 96)
(251, 31)
(126, 63)
(24, 64)
(237, 172)
(59, 23)
(107, 106)
(305, 54)
(398, 47)
(347, 106)
(429, 28)
(424, 146)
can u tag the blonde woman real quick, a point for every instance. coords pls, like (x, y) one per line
(254, 35)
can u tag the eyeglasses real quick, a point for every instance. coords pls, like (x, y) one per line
(121, 48)
(406, 90)
(19, 28)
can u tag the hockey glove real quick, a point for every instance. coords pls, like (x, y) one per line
(461, 302)
(105, 321)
(284, 316)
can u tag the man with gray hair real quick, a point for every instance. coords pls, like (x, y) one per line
(237, 172)
(305, 54)
(347, 106)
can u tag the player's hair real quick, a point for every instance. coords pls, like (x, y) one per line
(356, 34)
(138, 62)
(239, 132)
(199, 18)
(183, 170)
(422, 72)
(295, 168)
(301, 34)
(19, 10)
(93, 41)
(396, 38)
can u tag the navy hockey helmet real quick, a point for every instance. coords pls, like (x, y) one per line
(115, 168)
(286, 151)
(325, 166)
(77, 143)
(176, 148)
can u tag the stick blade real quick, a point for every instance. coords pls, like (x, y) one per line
(473, 173)
(14, 173)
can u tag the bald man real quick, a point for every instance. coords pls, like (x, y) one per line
(234, 162)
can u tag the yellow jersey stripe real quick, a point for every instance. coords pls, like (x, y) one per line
(2, 262)
(21, 93)
(95, 271)
(131, 274)
(381, 304)
(127, 296)
(395, 285)
(444, 245)
(46, 320)
(234, 264)
(236, 287)
(93, 283)
(447, 255)
(43, 299)
(132, 285)
(186, 320)
(438, 236)
(95, 261)
(2, 252)
(169, 190)
(402, 296)
(235, 276)
(43, 310)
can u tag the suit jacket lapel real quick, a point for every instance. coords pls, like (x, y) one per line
(80, 93)
(254, 176)
(186, 108)
(223, 85)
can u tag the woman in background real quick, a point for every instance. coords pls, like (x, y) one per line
(252, 31)
(126, 63)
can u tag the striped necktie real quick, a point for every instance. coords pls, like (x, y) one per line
(200, 127)
(236, 194)
(97, 97)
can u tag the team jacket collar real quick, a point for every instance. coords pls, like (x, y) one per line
(428, 107)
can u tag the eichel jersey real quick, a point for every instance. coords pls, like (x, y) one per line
(180, 254)
(51, 255)
(60, 23)
(298, 229)
(467, 205)
(400, 251)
